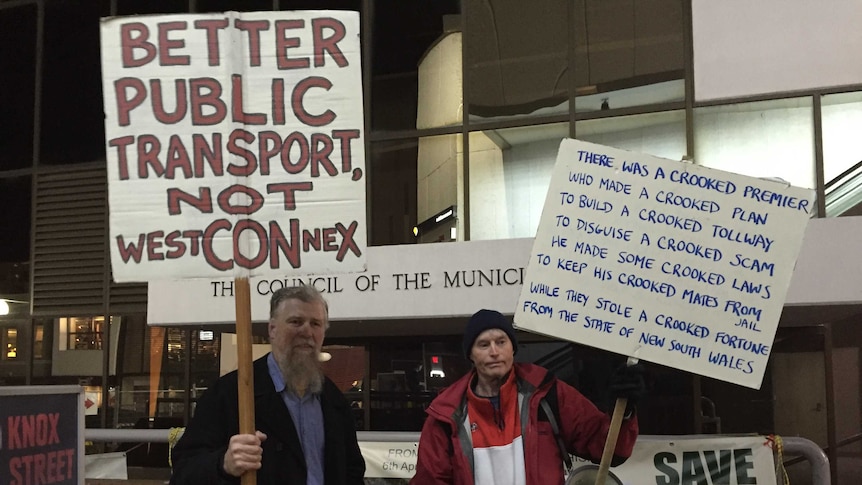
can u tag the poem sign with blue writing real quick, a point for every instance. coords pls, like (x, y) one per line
(665, 261)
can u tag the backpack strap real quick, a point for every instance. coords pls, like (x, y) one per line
(552, 419)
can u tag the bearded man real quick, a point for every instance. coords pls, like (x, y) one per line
(305, 432)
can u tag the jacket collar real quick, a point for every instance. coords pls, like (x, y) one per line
(450, 401)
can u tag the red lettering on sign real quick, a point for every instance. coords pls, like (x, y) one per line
(253, 27)
(283, 43)
(133, 36)
(42, 468)
(328, 44)
(212, 27)
(297, 101)
(166, 44)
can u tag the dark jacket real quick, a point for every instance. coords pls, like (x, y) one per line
(198, 456)
(445, 455)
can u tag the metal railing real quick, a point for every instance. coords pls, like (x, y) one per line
(792, 445)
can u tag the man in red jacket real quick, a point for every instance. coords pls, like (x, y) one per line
(492, 426)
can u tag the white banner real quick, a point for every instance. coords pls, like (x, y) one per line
(106, 466)
(709, 461)
(672, 460)
(234, 144)
(390, 459)
(664, 261)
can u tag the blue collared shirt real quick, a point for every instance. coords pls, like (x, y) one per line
(307, 418)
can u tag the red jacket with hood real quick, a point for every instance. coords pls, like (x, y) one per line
(445, 450)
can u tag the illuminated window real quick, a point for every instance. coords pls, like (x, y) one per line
(81, 333)
(10, 343)
(39, 342)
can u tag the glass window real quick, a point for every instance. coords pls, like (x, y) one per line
(175, 348)
(842, 153)
(171, 396)
(510, 170)
(398, 382)
(39, 346)
(346, 368)
(628, 53)
(72, 118)
(81, 333)
(403, 34)
(658, 134)
(205, 357)
(9, 342)
(18, 78)
(440, 161)
(392, 185)
(519, 61)
(761, 139)
(517, 57)
(440, 88)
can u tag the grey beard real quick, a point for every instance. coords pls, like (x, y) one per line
(302, 371)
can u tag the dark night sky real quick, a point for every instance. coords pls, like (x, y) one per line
(72, 128)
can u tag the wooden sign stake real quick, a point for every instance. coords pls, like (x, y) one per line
(245, 376)
(613, 434)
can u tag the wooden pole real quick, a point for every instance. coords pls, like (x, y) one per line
(613, 434)
(245, 376)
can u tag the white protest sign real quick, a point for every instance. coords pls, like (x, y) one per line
(389, 459)
(731, 460)
(664, 261)
(234, 144)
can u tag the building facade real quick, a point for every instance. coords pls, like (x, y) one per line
(466, 102)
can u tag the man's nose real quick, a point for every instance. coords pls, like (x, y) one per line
(305, 328)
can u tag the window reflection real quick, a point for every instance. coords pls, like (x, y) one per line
(842, 154)
(402, 34)
(519, 61)
(760, 139)
(509, 174)
(659, 134)
(10, 344)
(81, 333)
(392, 174)
(39, 342)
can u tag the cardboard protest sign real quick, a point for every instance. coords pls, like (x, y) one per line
(655, 459)
(389, 459)
(677, 460)
(234, 144)
(663, 261)
(41, 435)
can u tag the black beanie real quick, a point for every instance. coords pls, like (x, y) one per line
(484, 320)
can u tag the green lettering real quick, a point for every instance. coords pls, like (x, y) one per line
(692, 469)
(718, 463)
(661, 460)
(744, 459)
